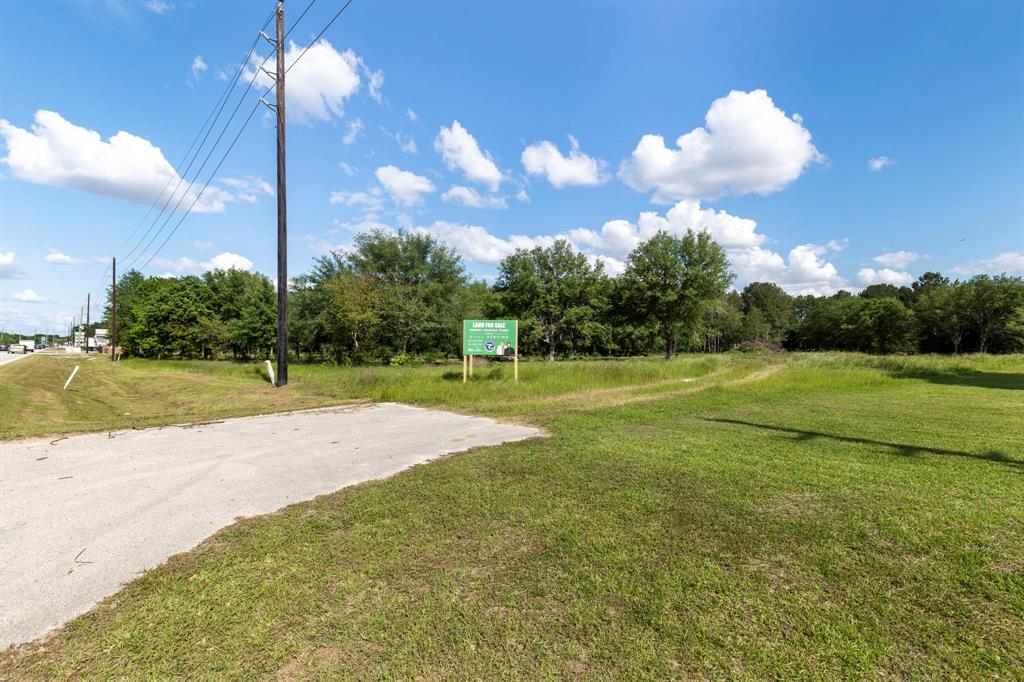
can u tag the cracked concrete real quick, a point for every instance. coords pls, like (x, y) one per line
(82, 515)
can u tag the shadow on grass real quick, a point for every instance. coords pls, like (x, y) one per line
(1013, 381)
(901, 448)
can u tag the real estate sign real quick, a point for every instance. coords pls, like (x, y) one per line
(490, 337)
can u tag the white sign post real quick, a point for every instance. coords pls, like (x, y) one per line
(73, 373)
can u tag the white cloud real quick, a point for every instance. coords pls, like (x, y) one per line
(248, 188)
(405, 143)
(747, 145)
(618, 237)
(180, 265)
(1009, 262)
(544, 158)
(411, 114)
(879, 162)
(355, 129)
(319, 85)
(478, 245)
(28, 296)
(467, 196)
(157, 6)
(460, 150)
(896, 259)
(522, 196)
(371, 201)
(898, 278)
(376, 79)
(806, 270)
(349, 170)
(9, 268)
(188, 266)
(404, 187)
(16, 320)
(56, 152)
(196, 72)
(229, 261)
(58, 258)
(612, 266)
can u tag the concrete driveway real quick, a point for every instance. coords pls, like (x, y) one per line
(80, 516)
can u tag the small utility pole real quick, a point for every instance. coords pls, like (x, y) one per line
(88, 304)
(282, 213)
(113, 310)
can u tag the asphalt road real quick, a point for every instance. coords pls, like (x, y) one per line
(6, 357)
(80, 516)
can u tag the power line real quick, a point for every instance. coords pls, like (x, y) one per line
(200, 194)
(222, 102)
(296, 23)
(184, 193)
(237, 135)
(217, 108)
(207, 126)
(322, 31)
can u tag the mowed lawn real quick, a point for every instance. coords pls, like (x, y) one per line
(810, 516)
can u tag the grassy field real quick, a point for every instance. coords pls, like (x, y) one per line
(141, 393)
(811, 516)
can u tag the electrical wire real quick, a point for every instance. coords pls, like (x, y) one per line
(217, 108)
(181, 177)
(235, 140)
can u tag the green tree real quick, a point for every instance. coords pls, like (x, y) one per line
(775, 306)
(356, 302)
(928, 282)
(992, 306)
(941, 315)
(415, 281)
(885, 325)
(312, 324)
(721, 324)
(246, 303)
(755, 327)
(556, 291)
(130, 294)
(671, 278)
(172, 318)
(827, 323)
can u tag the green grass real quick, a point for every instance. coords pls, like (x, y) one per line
(813, 516)
(141, 393)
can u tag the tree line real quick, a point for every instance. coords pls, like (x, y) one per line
(399, 298)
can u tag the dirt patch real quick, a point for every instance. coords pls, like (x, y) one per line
(706, 382)
(309, 665)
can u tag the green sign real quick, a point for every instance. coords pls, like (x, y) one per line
(490, 337)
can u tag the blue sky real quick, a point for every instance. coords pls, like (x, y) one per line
(825, 146)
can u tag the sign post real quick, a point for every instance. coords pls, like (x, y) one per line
(495, 338)
(515, 358)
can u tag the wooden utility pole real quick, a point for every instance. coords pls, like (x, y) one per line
(88, 304)
(113, 310)
(282, 214)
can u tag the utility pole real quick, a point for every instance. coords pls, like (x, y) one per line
(282, 213)
(88, 304)
(113, 310)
